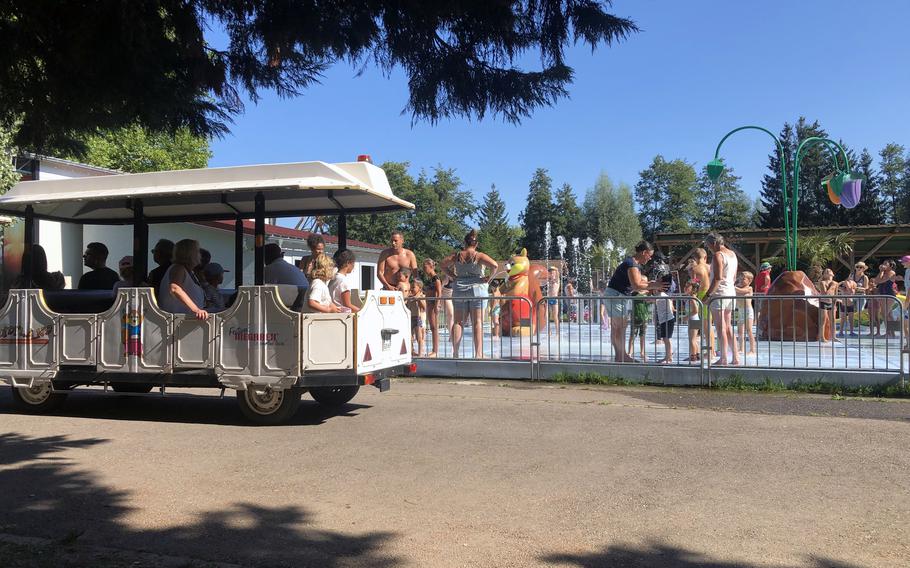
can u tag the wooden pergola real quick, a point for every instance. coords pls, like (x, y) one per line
(753, 246)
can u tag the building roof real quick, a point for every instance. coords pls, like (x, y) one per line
(755, 245)
(289, 190)
(69, 163)
(286, 232)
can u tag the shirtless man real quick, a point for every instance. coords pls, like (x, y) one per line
(394, 258)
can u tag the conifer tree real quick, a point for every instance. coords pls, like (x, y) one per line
(771, 213)
(871, 209)
(496, 236)
(567, 218)
(892, 169)
(816, 163)
(537, 212)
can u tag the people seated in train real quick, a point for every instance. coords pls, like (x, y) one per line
(319, 299)
(340, 286)
(205, 257)
(212, 278)
(40, 277)
(317, 249)
(100, 277)
(280, 271)
(126, 273)
(162, 254)
(180, 291)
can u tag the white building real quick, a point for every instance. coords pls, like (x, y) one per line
(65, 242)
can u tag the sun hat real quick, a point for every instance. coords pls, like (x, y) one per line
(126, 262)
(860, 264)
(905, 258)
(765, 266)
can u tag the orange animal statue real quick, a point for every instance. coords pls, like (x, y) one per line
(794, 319)
(520, 317)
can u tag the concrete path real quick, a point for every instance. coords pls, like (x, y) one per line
(471, 473)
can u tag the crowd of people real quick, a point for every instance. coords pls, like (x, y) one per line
(458, 292)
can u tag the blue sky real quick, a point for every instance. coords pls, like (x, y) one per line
(695, 71)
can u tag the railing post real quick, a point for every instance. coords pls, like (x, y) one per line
(259, 239)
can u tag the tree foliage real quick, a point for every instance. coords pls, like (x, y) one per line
(135, 149)
(665, 195)
(537, 212)
(871, 209)
(72, 67)
(819, 249)
(437, 225)
(892, 169)
(722, 205)
(495, 235)
(377, 228)
(567, 217)
(815, 208)
(610, 216)
(8, 175)
(772, 205)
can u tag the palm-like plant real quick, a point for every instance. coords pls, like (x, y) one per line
(819, 249)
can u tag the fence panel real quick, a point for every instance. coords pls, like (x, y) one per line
(778, 332)
(811, 332)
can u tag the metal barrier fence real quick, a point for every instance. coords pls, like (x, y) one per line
(580, 329)
(493, 345)
(809, 332)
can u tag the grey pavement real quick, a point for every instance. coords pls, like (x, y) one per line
(471, 473)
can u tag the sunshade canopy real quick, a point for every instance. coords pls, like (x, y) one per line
(290, 190)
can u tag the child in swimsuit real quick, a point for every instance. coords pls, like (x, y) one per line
(417, 303)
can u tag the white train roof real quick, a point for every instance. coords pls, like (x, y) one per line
(290, 190)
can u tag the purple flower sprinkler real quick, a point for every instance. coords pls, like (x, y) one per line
(852, 192)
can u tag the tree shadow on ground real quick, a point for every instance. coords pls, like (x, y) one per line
(177, 408)
(657, 555)
(45, 495)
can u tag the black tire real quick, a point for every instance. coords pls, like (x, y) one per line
(268, 407)
(141, 388)
(334, 396)
(37, 400)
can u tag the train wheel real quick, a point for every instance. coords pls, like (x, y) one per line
(38, 399)
(267, 406)
(334, 396)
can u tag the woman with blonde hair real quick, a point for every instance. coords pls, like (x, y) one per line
(180, 291)
(319, 298)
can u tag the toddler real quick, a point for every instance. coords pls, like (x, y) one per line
(666, 320)
(641, 316)
(404, 281)
(746, 311)
(417, 303)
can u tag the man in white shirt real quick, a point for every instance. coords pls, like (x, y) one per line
(280, 271)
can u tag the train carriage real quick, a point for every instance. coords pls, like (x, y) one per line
(54, 341)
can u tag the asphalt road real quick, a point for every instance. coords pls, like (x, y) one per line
(471, 473)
